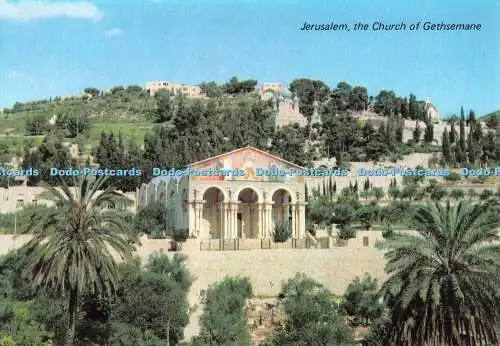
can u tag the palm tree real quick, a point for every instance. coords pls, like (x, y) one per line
(444, 281)
(73, 245)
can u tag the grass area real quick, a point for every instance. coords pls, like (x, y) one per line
(125, 112)
(129, 128)
(118, 113)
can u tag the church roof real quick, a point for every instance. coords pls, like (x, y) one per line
(246, 148)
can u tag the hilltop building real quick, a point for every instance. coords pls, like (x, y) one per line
(175, 88)
(286, 105)
(249, 205)
(273, 87)
(432, 111)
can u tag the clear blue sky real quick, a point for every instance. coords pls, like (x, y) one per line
(50, 48)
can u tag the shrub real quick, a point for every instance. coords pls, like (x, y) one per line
(472, 193)
(485, 194)
(457, 193)
(180, 235)
(452, 177)
(282, 232)
(346, 232)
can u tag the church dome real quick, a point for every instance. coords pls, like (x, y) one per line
(286, 93)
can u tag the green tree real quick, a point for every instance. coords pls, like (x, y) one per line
(386, 103)
(36, 125)
(288, 142)
(417, 133)
(70, 249)
(461, 143)
(429, 133)
(152, 302)
(312, 317)
(378, 193)
(367, 215)
(50, 153)
(152, 219)
(223, 321)
(211, 89)
(413, 108)
(308, 91)
(175, 268)
(453, 133)
(489, 145)
(361, 300)
(164, 106)
(94, 92)
(445, 276)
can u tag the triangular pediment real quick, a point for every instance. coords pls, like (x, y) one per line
(245, 154)
(252, 161)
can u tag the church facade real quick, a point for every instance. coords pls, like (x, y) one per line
(249, 205)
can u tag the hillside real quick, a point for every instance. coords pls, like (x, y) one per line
(495, 114)
(127, 111)
(172, 131)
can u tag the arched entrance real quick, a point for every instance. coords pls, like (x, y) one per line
(247, 217)
(213, 215)
(282, 211)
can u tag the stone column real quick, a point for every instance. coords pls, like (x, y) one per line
(260, 218)
(192, 218)
(234, 218)
(214, 219)
(294, 221)
(302, 220)
(230, 220)
(220, 211)
(199, 211)
(268, 220)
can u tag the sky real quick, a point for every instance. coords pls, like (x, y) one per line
(57, 48)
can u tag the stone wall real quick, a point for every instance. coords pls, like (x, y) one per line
(335, 268)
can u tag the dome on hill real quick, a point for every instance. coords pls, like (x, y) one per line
(285, 93)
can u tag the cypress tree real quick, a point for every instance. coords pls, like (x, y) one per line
(413, 108)
(453, 133)
(334, 187)
(459, 155)
(306, 192)
(475, 128)
(324, 187)
(366, 187)
(404, 108)
(330, 187)
(429, 133)
(462, 134)
(445, 143)
(417, 133)
(471, 149)
(489, 147)
(400, 130)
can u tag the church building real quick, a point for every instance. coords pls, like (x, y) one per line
(246, 205)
